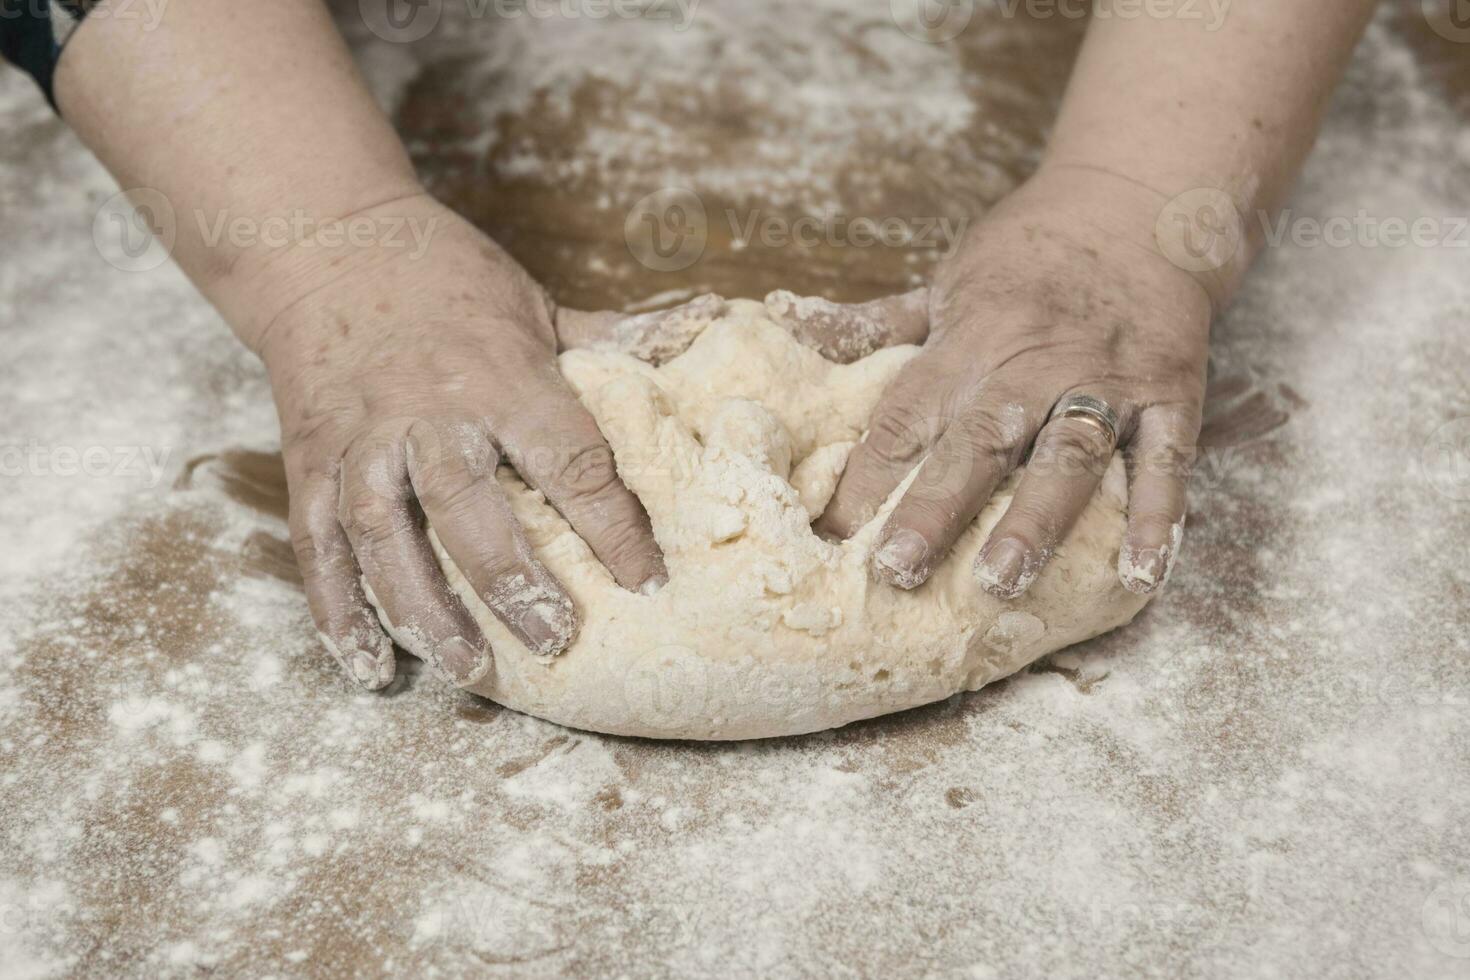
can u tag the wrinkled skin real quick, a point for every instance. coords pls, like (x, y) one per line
(402, 381)
(1060, 290)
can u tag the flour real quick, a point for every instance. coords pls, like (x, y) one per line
(1261, 775)
(801, 79)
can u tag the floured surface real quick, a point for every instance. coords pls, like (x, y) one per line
(1263, 775)
(735, 447)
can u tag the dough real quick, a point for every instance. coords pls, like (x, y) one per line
(765, 629)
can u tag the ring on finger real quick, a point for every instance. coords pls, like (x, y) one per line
(1089, 409)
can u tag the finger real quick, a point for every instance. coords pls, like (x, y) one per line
(452, 470)
(1160, 457)
(847, 332)
(1064, 470)
(401, 575)
(655, 337)
(345, 621)
(905, 424)
(559, 450)
(955, 481)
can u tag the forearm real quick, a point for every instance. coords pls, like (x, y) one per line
(244, 116)
(1173, 106)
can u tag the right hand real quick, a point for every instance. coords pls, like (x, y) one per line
(402, 381)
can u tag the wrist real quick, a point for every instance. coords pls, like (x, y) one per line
(1193, 226)
(270, 267)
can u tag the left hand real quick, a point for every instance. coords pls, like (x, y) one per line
(1061, 290)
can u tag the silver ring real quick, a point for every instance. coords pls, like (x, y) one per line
(1088, 409)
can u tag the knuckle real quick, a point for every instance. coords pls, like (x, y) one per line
(424, 446)
(1071, 449)
(437, 447)
(998, 441)
(310, 469)
(900, 437)
(587, 472)
(316, 552)
(456, 495)
(930, 516)
(946, 475)
(1031, 520)
(376, 473)
(368, 516)
(624, 539)
(501, 575)
(313, 526)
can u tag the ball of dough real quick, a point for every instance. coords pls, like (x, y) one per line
(765, 629)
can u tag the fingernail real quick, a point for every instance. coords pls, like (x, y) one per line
(654, 584)
(373, 671)
(1142, 572)
(460, 661)
(1002, 569)
(901, 560)
(387, 664)
(546, 628)
(365, 669)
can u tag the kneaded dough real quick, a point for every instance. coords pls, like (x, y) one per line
(764, 629)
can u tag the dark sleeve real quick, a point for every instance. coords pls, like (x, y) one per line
(33, 32)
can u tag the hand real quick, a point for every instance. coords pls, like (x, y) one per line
(1059, 291)
(402, 380)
